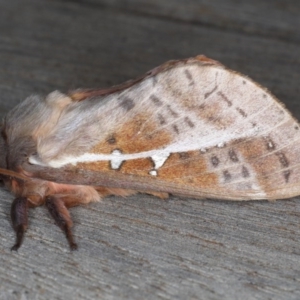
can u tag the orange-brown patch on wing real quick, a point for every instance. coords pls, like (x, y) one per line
(140, 166)
(252, 149)
(101, 165)
(136, 135)
(188, 168)
(266, 166)
(256, 153)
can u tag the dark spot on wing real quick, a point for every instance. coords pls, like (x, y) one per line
(282, 159)
(188, 121)
(172, 112)
(111, 140)
(286, 175)
(161, 119)
(225, 98)
(214, 161)
(175, 128)
(156, 100)
(127, 104)
(241, 112)
(206, 95)
(227, 176)
(245, 172)
(189, 77)
(232, 155)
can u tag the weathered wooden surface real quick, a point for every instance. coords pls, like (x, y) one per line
(142, 247)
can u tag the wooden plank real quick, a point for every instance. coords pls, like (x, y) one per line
(272, 19)
(142, 247)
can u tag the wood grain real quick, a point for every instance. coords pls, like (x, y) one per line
(142, 247)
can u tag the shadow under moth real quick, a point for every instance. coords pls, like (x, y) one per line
(189, 127)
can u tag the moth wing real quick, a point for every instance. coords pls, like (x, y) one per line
(190, 127)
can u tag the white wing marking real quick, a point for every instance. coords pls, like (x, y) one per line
(159, 155)
(159, 159)
(153, 172)
(116, 160)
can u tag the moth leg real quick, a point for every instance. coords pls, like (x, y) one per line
(61, 215)
(19, 218)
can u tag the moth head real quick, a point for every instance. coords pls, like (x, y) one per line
(6, 175)
(17, 142)
(29, 121)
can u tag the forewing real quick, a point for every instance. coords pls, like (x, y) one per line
(193, 128)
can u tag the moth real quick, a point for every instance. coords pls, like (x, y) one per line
(189, 127)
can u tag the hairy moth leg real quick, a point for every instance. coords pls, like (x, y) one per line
(57, 208)
(19, 218)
